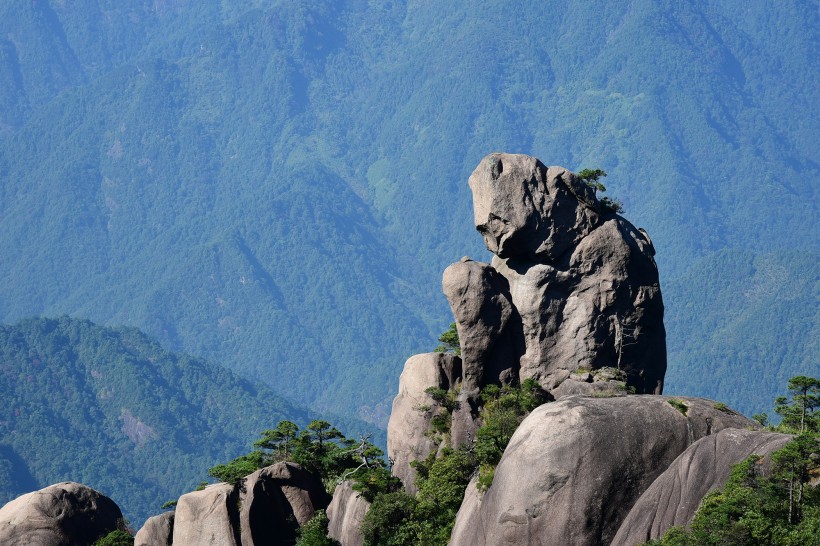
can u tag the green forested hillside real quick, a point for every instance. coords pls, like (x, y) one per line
(278, 185)
(110, 408)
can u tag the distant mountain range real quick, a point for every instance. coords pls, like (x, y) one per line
(277, 186)
(112, 409)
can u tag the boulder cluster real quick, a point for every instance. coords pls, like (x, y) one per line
(571, 300)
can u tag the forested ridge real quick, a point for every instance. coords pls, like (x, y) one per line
(277, 186)
(112, 409)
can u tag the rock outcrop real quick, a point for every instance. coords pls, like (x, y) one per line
(575, 467)
(156, 531)
(278, 500)
(572, 286)
(674, 497)
(407, 431)
(346, 514)
(63, 514)
(208, 517)
(267, 508)
(571, 299)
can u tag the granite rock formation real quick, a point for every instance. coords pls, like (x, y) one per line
(279, 499)
(674, 497)
(413, 409)
(63, 514)
(575, 467)
(571, 299)
(208, 517)
(572, 285)
(156, 531)
(267, 508)
(346, 514)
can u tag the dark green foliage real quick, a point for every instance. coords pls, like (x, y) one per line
(765, 504)
(320, 448)
(112, 409)
(428, 518)
(504, 409)
(759, 507)
(445, 398)
(449, 341)
(372, 482)
(440, 494)
(592, 179)
(441, 422)
(389, 521)
(314, 532)
(234, 471)
(800, 413)
(117, 537)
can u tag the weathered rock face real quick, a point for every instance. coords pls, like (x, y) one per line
(572, 286)
(674, 497)
(346, 514)
(523, 210)
(413, 409)
(63, 514)
(208, 517)
(279, 499)
(480, 300)
(268, 509)
(575, 467)
(572, 292)
(156, 531)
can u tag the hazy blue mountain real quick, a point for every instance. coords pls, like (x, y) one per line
(278, 185)
(110, 408)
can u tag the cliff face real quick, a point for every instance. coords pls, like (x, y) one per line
(571, 299)
(574, 468)
(572, 285)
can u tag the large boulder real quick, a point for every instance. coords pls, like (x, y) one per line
(156, 531)
(573, 287)
(575, 467)
(346, 514)
(208, 517)
(480, 300)
(279, 499)
(524, 210)
(408, 437)
(266, 508)
(674, 497)
(63, 514)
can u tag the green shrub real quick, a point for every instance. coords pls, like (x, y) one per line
(504, 409)
(118, 537)
(720, 406)
(390, 520)
(372, 482)
(678, 405)
(449, 341)
(314, 532)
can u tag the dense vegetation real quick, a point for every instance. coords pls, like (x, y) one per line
(396, 518)
(113, 410)
(270, 184)
(770, 503)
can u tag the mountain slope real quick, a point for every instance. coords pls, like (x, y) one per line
(110, 408)
(278, 187)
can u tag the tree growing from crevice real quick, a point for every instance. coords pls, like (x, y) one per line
(592, 178)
